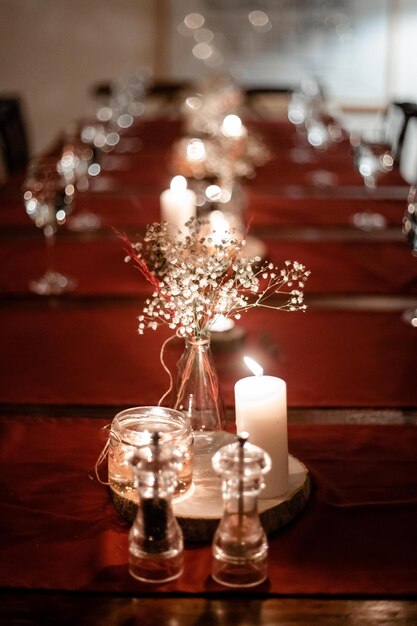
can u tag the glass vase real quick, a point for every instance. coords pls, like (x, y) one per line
(197, 391)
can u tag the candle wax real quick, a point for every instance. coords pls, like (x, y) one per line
(261, 410)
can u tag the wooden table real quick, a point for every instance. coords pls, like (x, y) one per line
(349, 361)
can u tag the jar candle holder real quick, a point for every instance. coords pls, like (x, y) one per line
(133, 428)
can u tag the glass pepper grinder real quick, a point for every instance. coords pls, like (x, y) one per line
(155, 539)
(240, 546)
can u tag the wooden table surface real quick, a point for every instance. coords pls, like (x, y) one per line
(21, 250)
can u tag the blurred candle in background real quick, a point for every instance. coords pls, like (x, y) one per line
(232, 127)
(178, 204)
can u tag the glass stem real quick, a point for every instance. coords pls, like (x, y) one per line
(49, 233)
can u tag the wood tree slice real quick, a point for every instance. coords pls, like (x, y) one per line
(200, 510)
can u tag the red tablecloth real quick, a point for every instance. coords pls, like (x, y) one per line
(358, 535)
(67, 354)
(136, 208)
(276, 210)
(338, 267)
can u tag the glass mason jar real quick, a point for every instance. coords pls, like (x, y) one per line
(133, 428)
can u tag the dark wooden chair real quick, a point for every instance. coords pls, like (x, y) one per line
(14, 148)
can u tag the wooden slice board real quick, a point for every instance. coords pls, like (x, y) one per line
(200, 510)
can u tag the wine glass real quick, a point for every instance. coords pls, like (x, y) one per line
(371, 164)
(77, 164)
(48, 200)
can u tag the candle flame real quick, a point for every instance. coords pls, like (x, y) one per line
(221, 324)
(254, 367)
(232, 126)
(178, 184)
(214, 192)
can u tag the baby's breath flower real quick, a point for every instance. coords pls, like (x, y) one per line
(194, 280)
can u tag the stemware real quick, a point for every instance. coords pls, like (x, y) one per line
(48, 201)
(371, 164)
(78, 164)
(410, 232)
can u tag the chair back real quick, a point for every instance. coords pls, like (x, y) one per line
(395, 120)
(13, 138)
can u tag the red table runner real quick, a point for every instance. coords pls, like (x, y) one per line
(282, 211)
(67, 354)
(358, 535)
(97, 263)
(135, 209)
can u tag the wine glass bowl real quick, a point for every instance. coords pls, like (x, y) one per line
(77, 164)
(410, 231)
(371, 161)
(48, 201)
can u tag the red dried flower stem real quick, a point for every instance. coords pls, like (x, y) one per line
(140, 263)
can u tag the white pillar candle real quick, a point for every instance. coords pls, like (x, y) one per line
(261, 410)
(178, 204)
(219, 227)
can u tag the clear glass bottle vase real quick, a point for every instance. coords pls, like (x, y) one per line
(197, 388)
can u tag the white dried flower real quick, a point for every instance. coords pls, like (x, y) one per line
(194, 280)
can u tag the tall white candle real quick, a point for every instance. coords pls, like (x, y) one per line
(261, 410)
(219, 226)
(178, 204)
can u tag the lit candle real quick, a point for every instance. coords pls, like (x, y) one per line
(221, 324)
(261, 410)
(219, 226)
(232, 127)
(196, 151)
(178, 204)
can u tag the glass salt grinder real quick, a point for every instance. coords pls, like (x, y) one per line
(155, 539)
(239, 545)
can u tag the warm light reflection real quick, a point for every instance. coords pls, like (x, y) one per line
(213, 193)
(61, 216)
(260, 21)
(125, 120)
(232, 126)
(258, 18)
(203, 35)
(196, 150)
(112, 139)
(254, 367)
(194, 20)
(218, 194)
(104, 114)
(221, 324)
(202, 51)
(193, 102)
(94, 169)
